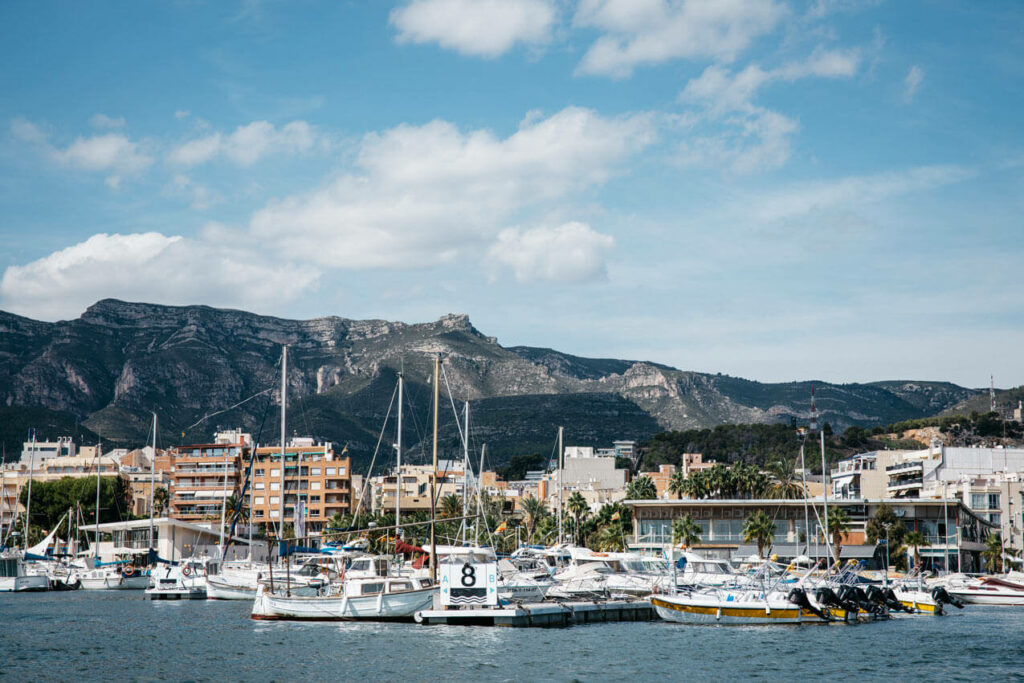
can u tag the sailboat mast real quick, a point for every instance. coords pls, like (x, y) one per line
(398, 449)
(152, 483)
(807, 512)
(561, 466)
(223, 506)
(824, 491)
(465, 466)
(31, 467)
(433, 474)
(99, 463)
(284, 410)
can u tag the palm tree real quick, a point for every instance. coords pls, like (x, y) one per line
(838, 526)
(759, 528)
(677, 484)
(160, 498)
(915, 539)
(685, 531)
(609, 538)
(783, 482)
(235, 504)
(534, 510)
(579, 508)
(451, 505)
(993, 553)
(641, 488)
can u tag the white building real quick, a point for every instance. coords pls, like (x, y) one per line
(39, 451)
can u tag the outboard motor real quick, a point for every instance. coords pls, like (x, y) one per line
(798, 596)
(853, 596)
(941, 595)
(894, 603)
(877, 597)
(826, 596)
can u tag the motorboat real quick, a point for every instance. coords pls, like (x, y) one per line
(183, 581)
(985, 590)
(738, 606)
(378, 598)
(15, 578)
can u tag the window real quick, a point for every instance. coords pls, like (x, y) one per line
(275, 486)
(314, 486)
(275, 500)
(257, 500)
(275, 473)
(258, 486)
(332, 470)
(995, 518)
(341, 471)
(259, 472)
(275, 513)
(315, 471)
(314, 499)
(978, 501)
(371, 588)
(993, 501)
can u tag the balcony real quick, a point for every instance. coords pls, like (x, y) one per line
(902, 467)
(905, 484)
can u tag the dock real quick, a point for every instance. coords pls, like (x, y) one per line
(544, 614)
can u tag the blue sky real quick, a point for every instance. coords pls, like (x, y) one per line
(772, 189)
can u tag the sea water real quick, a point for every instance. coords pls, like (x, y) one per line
(117, 635)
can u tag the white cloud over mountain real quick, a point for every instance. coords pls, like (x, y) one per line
(572, 252)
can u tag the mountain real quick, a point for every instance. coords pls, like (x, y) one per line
(1006, 401)
(120, 361)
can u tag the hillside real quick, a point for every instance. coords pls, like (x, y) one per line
(118, 362)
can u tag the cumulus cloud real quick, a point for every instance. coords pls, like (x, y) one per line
(643, 32)
(148, 267)
(572, 252)
(104, 121)
(424, 193)
(112, 153)
(912, 83)
(248, 144)
(479, 28)
(751, 137)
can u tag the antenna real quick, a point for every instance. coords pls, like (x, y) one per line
(992, 393)
(814, 413)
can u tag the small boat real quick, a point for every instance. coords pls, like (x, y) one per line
(737, 606)
(15, 578)
(985, 590)
(186, 581)
(366, 598)
(113, 577)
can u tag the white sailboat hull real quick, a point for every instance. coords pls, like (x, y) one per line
(341, 608)
(114, 583)
(218, 589)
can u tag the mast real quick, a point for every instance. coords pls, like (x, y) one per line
(398, 449)
(480, 498)
(824, 491)
(284, 410)
(152, 484)
(28, 503)
(433, 473)
(807, 513)
(561, 464)
(99, 463)
(465, 465)
(223, 506)
(3, 493)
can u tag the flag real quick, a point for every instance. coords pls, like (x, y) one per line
(501, 527)
(615, 517)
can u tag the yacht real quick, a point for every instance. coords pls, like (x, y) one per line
(14, 577)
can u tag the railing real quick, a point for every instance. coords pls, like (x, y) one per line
(903, 466)
(915, 481)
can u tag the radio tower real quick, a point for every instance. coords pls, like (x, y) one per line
(814, 413)
(992, 393)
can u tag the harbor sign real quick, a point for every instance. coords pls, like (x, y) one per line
(469, 583)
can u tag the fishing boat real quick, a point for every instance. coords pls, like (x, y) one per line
(370, 598)
(114, 576)
(15, 578)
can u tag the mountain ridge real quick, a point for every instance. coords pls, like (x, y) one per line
(121, 360)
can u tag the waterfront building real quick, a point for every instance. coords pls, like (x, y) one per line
(313, 474)
(173, 539)
(202, 475)
(452, 479)
(40, 451)
(955, 533)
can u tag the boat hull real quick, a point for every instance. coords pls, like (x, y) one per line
(394, 606)
(691, 612)
(114, 583)
(24, 584)
(222, 590)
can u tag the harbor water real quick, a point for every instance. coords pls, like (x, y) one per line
(88, 636)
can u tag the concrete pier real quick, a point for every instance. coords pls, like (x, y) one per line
(547, 614)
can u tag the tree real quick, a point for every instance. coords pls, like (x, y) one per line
(160, 499)
(884, 517)
(685, 531)
(677, 484)
(641, 488)
(234, 504)
(915, 539)
(610, 539)
(451, 505)
(783, 483)
(759, 528)
(52, 499)
(993, 553)
(838, 526)
(534, 510)
(579, 508)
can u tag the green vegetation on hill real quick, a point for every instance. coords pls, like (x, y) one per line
(15, 421)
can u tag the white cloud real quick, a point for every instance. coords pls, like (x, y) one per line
(248, 144)
(104, 121)
(426, 193)
(182, 114)
(751, 137)
(114, 153)
(641, 32)
(912, 83)
(479, 28)
(572, 252)
(146, 267)
(199, 197)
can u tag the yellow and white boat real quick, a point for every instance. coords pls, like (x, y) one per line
(728, 606)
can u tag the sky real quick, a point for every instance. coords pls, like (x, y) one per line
(773, 189)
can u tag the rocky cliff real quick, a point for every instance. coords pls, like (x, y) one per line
(121, 361)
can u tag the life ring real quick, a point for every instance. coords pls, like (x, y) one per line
(186, 571)
(128, 571)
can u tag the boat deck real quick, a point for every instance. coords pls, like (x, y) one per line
(542, 614)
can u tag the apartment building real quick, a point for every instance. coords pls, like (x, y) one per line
(317, 486)
(201, 476)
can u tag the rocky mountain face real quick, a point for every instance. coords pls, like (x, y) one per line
(119, 362)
